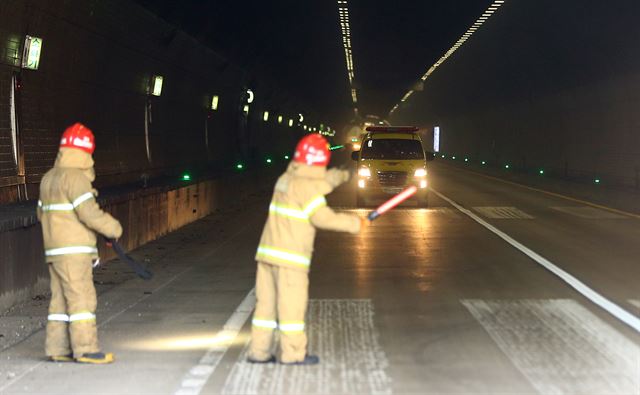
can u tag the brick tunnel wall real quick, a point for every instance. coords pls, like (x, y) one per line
(543, 84)
(98, 60)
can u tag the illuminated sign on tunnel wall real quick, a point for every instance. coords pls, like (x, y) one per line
(436, 139)
(32, 50)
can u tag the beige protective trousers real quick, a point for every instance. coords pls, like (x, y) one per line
(71, 327)
(282, 295)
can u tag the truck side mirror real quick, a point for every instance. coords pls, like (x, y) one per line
(354, 155)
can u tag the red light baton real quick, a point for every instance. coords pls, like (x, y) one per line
(391, 203)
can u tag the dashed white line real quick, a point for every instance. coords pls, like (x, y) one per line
(586, 291)
(193, 382)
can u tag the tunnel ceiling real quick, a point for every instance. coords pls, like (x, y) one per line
(299, 43)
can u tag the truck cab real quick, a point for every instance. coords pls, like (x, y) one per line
(390, 159)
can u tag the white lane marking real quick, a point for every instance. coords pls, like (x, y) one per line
(141, 299)
(560, 346)
(578, 285)
(588, 212)
(502, 213)
(342, 333)
(193, 382)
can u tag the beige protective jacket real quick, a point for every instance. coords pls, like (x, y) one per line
(68, 210)
(297, 208)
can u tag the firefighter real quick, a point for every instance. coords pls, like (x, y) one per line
(70, 217)
(297, 208)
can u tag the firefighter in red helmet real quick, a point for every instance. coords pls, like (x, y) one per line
(70, 219)
(297, 208)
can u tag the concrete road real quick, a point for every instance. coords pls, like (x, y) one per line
(495, 289)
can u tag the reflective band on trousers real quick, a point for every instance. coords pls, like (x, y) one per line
(71, 250)
(84, 316)
(284, 255)
(65, 206)
(260, 323)
(294, 326)
(295, 213)
(58, 317)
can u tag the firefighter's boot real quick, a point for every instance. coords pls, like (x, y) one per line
(61, 358)
(97, 358)
(308, 360)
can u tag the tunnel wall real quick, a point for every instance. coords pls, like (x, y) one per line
(97, 65)
(542, 85)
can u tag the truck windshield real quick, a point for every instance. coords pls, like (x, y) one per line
(392, 149)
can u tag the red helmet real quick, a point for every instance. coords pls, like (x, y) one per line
(313, 150)
(80, 137)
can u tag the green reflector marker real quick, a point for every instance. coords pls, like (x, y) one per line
(506, 166)
(484, 163)
(186, 177)
(597, 181)
(541, 171)
(268, 160)
(466, 159)
(239, 166)
(444, 156)
(286, 157)
(335, 147)
(453, 157)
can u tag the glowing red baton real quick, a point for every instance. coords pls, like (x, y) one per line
(391, 203)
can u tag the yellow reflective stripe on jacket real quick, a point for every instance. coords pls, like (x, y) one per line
(82, 316)
(283, 255)
(295, 213)
(55, 206)
(65, 206)
(288, 212)
(262, 323)
(58, 317)
(292, 326)
(315, 204)
(71, 250)
(82, 198)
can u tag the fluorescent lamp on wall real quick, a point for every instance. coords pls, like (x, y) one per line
(279, 118)
(156, 89)
(32, 50)
(265, 116)
(290, 122)
(436, 139)
(214, 102)
(250, 96)
(245, 109)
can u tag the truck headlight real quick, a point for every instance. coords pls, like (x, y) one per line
(364, 172)
(420, 173)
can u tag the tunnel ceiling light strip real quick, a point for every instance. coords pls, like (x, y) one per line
(474, 27)
(343, 12)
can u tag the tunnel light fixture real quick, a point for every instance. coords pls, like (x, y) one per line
(484, 162)
(239, 166)
(597, 181)
(507, 167)
(279, 118)
(489, 12)
(265, 116)
(345, 28)
(269, 160)
(186, 177)
(286, 157)
(300, 117)
(290, 123)
(156, 87)
(453, 157)
(245, 109)
(250, 96)
(444, 156)
(215, 100)
(541, 171)
(32, 51)
(466, 159)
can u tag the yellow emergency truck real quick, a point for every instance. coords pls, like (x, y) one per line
(390, 159)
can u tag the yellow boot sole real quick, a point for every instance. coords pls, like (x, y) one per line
(108, 358)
